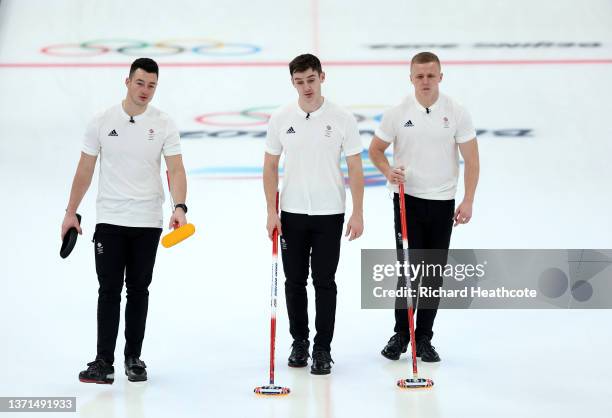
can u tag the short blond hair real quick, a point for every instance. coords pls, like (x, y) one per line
(424, 58)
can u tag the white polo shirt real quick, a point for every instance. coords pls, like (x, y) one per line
(130, 191)
(426, 144)
(313, 183)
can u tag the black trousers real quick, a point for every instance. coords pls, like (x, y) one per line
(123, 253)
(313, 240)
(429, 225)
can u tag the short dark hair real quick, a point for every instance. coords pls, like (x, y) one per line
(424, 58)
(145, 64)
(303, 62)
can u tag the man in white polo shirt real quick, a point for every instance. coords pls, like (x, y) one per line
(312, 133)
(130, 139)
(426, 130)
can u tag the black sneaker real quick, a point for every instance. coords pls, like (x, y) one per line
(98, 371)
(397, 345)
(426, 351)
(321, 362)
(135, 369)
(299, 353)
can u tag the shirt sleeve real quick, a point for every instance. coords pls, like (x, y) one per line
(385, 130)
(465, 129)
(351, 143)
(273, 143)
(91, 142)
(172, 141)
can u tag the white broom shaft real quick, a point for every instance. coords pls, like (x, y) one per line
(273, 298)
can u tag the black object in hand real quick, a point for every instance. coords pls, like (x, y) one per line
(70, 240)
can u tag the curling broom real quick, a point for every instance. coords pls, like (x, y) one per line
(415, 382)
(271, 389)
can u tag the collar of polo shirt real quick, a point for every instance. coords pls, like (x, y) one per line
(312, 114)
(127, 117)
(422, 108)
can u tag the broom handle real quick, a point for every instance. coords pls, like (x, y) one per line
(273, 297)
(402, 202)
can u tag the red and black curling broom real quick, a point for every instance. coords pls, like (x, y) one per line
(415, 382)
(271, 389)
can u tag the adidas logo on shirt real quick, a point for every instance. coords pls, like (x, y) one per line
(290, 130)
(113, 133)
(408, 124)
